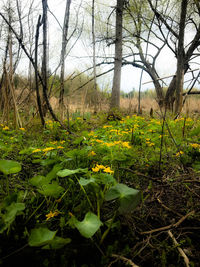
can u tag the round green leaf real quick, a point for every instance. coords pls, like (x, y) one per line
(67, 172)
(89, 225)
(128, 197)
(9, 166)
(51, 190)
(40, 237)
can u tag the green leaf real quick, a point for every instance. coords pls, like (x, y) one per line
(40, 237)
(47, 162)
(11, 212)
(53, 173)
(39, 180)
(51, 190)
(10, 166)
(85, 182)
(105, 178)
(89, 226)
(67, 172)
(27, 151)
(128, 197)
(57, 243)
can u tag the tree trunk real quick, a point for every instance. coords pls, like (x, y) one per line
(63, 53)
(94, 61)
(115, 97)
(44, 59)
(180, 59)
(36, 73)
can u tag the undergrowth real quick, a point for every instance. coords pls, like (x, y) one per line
(113, 193)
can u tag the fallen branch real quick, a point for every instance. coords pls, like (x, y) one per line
(173, 225)
(182, 253)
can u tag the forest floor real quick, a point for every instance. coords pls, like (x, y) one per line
(116, 191)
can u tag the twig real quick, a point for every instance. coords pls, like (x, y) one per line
(182, 253)
(167, 208)
(141, 174)
(173, 225)
(127, 261)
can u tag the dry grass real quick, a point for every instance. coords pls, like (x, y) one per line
(79, 104)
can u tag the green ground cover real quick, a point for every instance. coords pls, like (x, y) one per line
(93, 197)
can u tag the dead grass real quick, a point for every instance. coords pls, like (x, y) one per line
(79, 103)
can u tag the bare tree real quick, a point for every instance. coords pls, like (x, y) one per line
(115, 96)
(180, 58)
(94, 58)
(63, 54)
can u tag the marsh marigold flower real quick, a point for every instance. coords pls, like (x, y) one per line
(108, 170)
(48, 149)
(51, 215)
(92, 153)
(179, 153)
(6, 128)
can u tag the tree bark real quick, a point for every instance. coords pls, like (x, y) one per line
(94, 60)
(180, 58)
(115, 96)
(63, 53)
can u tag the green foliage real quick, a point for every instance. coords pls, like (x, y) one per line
(89, 226)
(129, 198)
(9, 166)
(89, 180)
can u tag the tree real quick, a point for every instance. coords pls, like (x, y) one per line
(115, 96)
(63, 54)
(167, 25)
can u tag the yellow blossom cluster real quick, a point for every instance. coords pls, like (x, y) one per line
(5, 128)
(179, 153)
(51, 215)
(195, 145)
(99, 167)
(92, 153)
(114, 143)
(47, 149)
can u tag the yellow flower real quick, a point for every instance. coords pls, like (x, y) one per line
(92, 153)
(117, 142)
(99, 141)
(126, 144)
(6, 128)
(60, 147)
(108, 170)
(22, 129)
(107, 126)
(91, 133)
(51, 215)
(54, 142)
(96, 169)
(109, 144)
(36, 150)
(151, 144)
(48, 149)
(179, 153)
(195, 145)
(100, 166)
